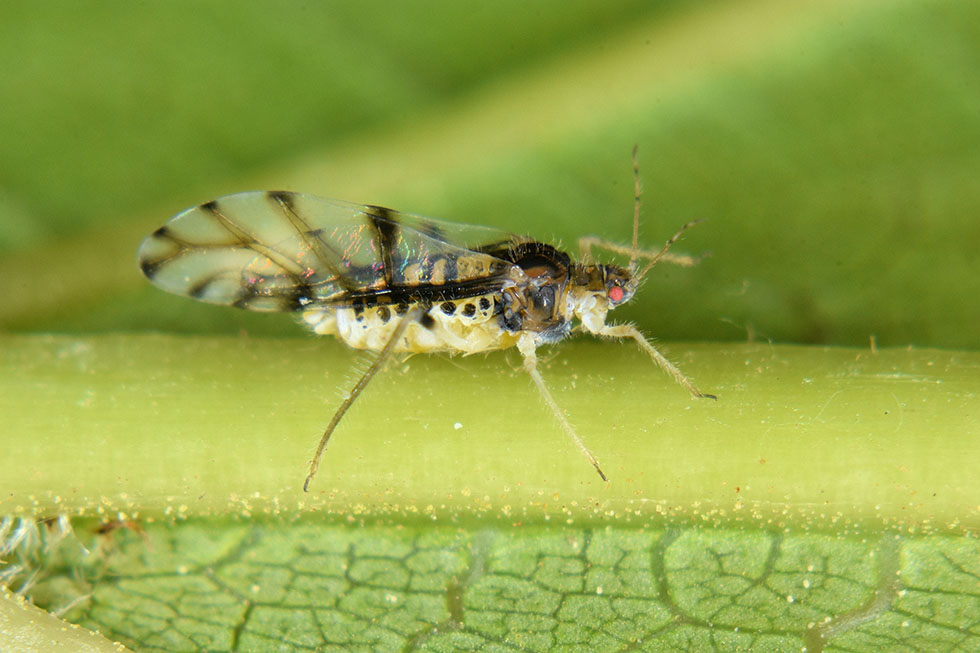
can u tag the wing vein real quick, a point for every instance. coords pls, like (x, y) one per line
(316, 243)
(245, 239)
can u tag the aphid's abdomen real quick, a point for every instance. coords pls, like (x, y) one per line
(467, 326)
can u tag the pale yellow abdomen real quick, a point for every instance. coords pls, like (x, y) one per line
(464, 326)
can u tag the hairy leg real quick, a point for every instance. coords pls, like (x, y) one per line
(526, 347)
(630, 331)
(586, 243)
(383, 356)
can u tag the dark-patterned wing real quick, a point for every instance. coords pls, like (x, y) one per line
(281, 251)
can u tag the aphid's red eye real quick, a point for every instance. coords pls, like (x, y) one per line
(616, 294)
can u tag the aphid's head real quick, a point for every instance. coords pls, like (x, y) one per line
(609, 285)
(617, 284)
(595, 289)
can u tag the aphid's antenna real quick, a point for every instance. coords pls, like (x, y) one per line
(663, 250)
(637, 191)
(356, 391)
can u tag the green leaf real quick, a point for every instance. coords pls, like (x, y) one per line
(315, 584)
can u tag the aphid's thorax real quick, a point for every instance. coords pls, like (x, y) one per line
(594, 290)
(536, 300)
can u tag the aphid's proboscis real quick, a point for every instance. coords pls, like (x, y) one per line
(390, 282)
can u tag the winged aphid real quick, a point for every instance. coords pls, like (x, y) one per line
(389, 282)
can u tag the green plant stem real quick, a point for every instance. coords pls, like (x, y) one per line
(153, 425)
(26, 628)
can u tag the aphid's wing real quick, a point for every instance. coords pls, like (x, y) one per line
(282, 251)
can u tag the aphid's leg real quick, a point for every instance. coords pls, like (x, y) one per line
(630, 331)
(383, 356)
(526, 346)
(586, 243)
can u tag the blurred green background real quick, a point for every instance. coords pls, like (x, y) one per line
(833, 147)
